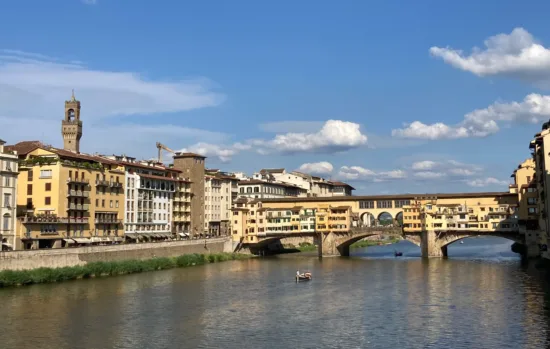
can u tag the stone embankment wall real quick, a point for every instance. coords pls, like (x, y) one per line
(68, 257)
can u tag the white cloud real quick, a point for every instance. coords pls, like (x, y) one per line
(486, 182)
(534, 108)
(423, 165)
(47, 82)
(452, 169)
(429, 175)
(516, 54)
(33, 88)
(359, 173)
(223, 153)
(334, 136)
(322, 167)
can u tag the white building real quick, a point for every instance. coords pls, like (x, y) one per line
(8, 195)
(150, 189)
(258, 189)
(220, 189)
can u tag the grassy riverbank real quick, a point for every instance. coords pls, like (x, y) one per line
(10, 278)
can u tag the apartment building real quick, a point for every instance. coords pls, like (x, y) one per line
(540, 147)
(258, 189)
(66, 198)
(8, 195)
(483, 214)
(181, 225)
(525, 187)
(150, 198)
(218, 198)
(313, 186)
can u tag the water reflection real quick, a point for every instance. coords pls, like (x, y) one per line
(358, 302)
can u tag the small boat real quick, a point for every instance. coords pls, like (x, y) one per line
(303, 277)
(397, 254)
(461, 241)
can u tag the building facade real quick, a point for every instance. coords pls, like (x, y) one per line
(8, 195)
(258, 189)
(540, 146)
(192, 167)
(528, 200)
(65, 198)
(218, 192)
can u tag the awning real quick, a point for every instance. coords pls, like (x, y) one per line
(7, 245)
(82, 241)
(183, 234)
(117, 238)
(130, 236)
(69, 241)
(105, 239)
(96, 239)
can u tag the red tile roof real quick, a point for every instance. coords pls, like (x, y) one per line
(25, 147)
(157, 167)
(158, 177)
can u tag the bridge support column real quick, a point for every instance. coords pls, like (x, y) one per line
(430, 246)
(327, 245)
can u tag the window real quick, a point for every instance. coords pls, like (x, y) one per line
(6, 223)
(366, 204)
(531, 201)
(116, 203)
(29, 176)
(97, 202)
(29, 203)
(531, 190)
(7, 200)
(47, 200)
(48, 187)
(111, 203)
(29, 189)
(103, 203)
(45, 173)
(384, 204)
(532, 210)
(401, 203)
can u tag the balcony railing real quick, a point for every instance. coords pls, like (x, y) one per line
(78, 180)
(115, 184)
(107, 220)
(53, 220)
(79, 207)
(101, 183)
(78, 194)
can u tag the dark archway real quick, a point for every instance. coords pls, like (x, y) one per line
(399, 219)
(385, 218)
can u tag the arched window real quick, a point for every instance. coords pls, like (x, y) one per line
(70, 114)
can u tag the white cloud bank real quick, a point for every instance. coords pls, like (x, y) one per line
(358, 173)
(484, 182)
(319, 168)
(516, 55)
(33, 88)
(534, 109)
(333, 137)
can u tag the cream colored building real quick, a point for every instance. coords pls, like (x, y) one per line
(8, 195)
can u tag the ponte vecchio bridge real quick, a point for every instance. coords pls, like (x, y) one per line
(430, 221)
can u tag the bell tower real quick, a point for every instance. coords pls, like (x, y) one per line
(71, 126)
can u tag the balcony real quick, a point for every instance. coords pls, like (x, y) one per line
(79, 207)
(53, 220)
(115, 185)
(107, 220)
(78, 194)
(78, 180)
(101, 183)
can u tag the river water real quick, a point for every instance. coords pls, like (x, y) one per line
(481, 297)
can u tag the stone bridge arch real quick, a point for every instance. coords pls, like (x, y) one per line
(385, 218)
(438, 242)
(368, 219)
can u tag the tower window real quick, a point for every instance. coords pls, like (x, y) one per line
(70, 114)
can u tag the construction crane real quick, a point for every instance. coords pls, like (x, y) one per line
(161, 146)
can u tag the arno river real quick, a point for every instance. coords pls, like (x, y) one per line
(481, 297)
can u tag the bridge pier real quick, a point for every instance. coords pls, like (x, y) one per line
(430, 246)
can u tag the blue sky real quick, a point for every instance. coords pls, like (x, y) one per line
(388, 96)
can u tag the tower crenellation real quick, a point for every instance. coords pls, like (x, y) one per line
(71, 126)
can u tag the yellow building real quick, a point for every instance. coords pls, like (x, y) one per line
(254, 220)
(182, 208)
(528, 200)
(482, 214)
(65, 198)
(541, 147)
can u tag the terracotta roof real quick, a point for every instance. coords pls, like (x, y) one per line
(188, 155)
(158, 177)
(25, 147)
(79, 156)
(342, 184)
(272, 170)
